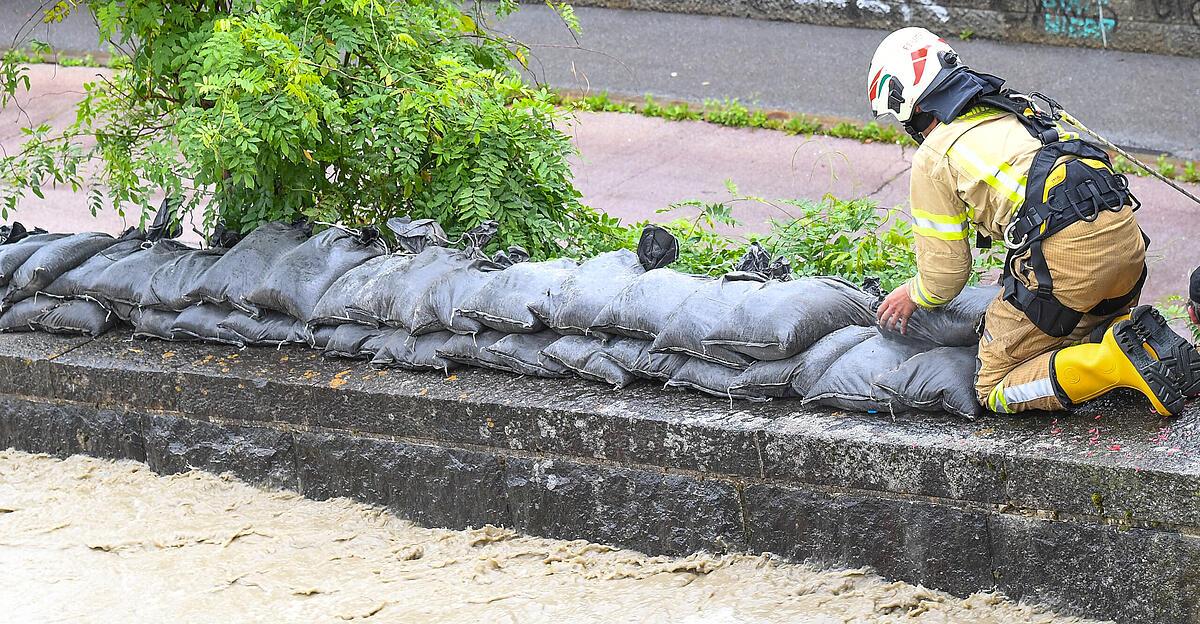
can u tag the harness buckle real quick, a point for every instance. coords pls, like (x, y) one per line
(1010, 241)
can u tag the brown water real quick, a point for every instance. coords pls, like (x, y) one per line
(86, 540)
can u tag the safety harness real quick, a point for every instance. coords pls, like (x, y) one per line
(1057, 195)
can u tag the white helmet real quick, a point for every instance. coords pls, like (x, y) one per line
(899, 74)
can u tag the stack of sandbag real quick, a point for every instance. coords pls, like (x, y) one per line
(754, 333)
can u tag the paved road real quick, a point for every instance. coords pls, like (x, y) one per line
(1139, 100)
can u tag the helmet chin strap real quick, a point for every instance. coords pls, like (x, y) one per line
(916, 125)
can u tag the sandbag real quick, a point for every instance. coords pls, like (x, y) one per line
(768, 378)
(77, 317)
(573, 309)
(272, 328)
(125, 282)
(636, 357)
(403, 350)
(394, 298)
(585, 356)
(699, 314)
(823, 353)
(334, 306)
(156, 324)
(203, 322)
(955, 324)
(642, 308)
(356, 342)
(12, 256)
(10, 234)
(24, 314)
(522, 354)
(942, 379)
(449, 292)
(471, 349)
(786, 318)
(52, 260)
(709, 378)
(318, 337)
(849, 383)
(171, 284)
(301, 276)
(76, 282)
(232, 278)
(504, 302)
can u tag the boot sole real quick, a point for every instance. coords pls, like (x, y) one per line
(1174, 351)
(1157, 377)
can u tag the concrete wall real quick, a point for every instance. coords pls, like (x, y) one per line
(1043, 512)
(1158, 26)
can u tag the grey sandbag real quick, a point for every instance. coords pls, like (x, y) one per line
(318, 337)
(77, 281)
(171, 284)
(573, 309)
(586, 357)
(823, 353)
(709, 378)
(955, 324)
(272, 328)
(471, 349)
(786, 318)
(635, 356)
(849, 383)
(299, 277)
(203, 322)
(156, 324)
(395, 297)
(522, 354)
(403, 350)
(12, 256)
(699, 314)
(77, 317)
(357, 342)
(334, 306)
(642, 308)
(504, 303)
(23, 315)
(768, 378)
(942, 379)
(126, 281)
(451, 290)
(232, 278)
(52, 260)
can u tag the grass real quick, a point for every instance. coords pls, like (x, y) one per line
(733, 113)
(115, 61)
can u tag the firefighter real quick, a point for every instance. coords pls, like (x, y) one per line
(991, 159)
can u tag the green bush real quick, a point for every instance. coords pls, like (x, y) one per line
(335, 110)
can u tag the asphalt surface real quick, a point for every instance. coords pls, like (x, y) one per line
(1136, 100)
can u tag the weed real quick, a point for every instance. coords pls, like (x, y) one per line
(966, 34)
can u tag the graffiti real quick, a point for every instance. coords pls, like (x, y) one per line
(1092, 19)
(1077, 19)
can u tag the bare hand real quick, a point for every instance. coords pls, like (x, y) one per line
(896, 309)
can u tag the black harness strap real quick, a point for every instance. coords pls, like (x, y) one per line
(1084, 189)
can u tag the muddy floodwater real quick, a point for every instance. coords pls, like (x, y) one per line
(86, 540)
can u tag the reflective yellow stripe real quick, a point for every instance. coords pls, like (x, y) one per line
(938, 234)
(917, 213)
(979, 112)
(923, 297)
(1000, 177)
(996, 401)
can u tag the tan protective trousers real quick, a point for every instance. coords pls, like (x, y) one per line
(1090, 262)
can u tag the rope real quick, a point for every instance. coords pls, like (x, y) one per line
(1109, 144)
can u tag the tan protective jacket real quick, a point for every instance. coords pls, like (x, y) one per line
(970, 171)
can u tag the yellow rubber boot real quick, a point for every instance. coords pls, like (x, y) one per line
(1084, 372)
